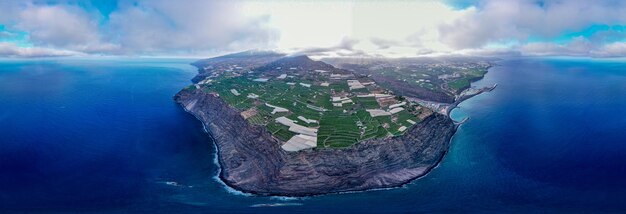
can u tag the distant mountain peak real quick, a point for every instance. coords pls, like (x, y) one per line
(252, 53)
(298, 61)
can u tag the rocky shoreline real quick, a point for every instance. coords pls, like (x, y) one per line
(252, 161)
(464, 97)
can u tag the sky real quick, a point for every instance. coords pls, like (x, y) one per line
(200, 28)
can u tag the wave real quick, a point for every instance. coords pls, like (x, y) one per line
(276, 205)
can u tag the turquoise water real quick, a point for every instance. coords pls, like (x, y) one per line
(106, 136)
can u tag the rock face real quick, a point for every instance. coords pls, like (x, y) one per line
(252, 160)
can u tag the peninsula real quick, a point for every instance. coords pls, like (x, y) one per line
(293, 126)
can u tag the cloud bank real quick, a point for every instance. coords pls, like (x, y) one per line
(348, 28)
(151, 27)
(550, 27)
(12, 50)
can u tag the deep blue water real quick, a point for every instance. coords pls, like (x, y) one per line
(106, 136)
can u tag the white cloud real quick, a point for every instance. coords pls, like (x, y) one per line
(392, 28)
(306, 24)
(497, 21)
(617, 49)
(58, 26)
(162, 26)
(383, 43)
(577, 47)
(344, 48)
(152, 27)
(345, 28)
(12, 50)
(63, 27)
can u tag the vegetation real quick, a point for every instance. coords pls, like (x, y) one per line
(459, 84)
(430, 80)
(310, 104)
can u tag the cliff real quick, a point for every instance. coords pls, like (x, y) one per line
(252, 161)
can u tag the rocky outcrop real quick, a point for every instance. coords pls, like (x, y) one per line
(252, 160)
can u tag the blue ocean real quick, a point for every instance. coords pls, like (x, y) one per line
(85, 135)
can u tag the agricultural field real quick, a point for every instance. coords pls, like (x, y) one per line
(310, 108)
(438, 81)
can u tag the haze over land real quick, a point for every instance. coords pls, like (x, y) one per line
(319, 29)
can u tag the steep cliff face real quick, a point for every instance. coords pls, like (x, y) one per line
(252, 161)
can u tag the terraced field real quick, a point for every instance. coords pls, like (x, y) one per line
(338, 130)
(311, 101)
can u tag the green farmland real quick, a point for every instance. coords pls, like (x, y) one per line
(337, 114)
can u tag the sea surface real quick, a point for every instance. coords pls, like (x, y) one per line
(85, 135)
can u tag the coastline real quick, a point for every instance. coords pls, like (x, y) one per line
(406, 167)
(275, 172)
(236, 191)
(463, 97)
